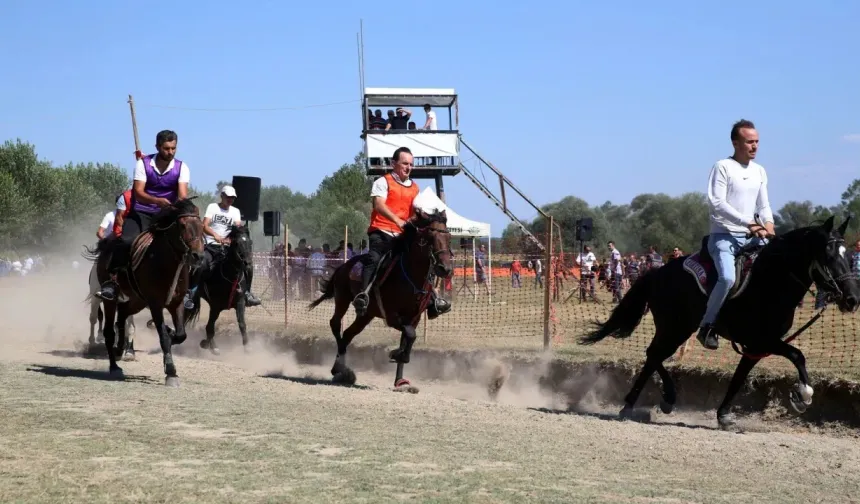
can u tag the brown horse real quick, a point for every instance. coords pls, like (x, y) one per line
(157, 278)
(399, 295)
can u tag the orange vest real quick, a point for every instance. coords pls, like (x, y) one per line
(399, 201)
(117, 228)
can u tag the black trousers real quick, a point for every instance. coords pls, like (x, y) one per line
(378, 243)
(212, 253)
(135, 223)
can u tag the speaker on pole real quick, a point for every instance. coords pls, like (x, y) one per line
(584, 226)
(272, 223)
(247, 196)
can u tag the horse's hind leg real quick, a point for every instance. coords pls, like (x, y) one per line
(96, 317)
(209, 342)
(724, 415)
(660, 349)
(340, 371)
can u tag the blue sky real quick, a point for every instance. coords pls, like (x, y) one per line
(602, 101)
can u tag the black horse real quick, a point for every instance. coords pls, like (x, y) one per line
(756, 317)
(223, 287)
(399, 295)
(156, 278)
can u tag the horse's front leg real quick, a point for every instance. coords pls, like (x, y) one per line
(171, 378)
(801, 394)
(129, 333)
(401, 356)
(122, 310)
(110, 335)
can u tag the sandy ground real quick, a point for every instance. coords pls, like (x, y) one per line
(259, 428)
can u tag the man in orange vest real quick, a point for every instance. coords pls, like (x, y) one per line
(393, 195)
(123, 206)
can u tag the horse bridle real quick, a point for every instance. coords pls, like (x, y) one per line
(434, 254)
(186, 249)
(831, 283)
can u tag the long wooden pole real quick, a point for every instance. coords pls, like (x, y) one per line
(345, 241)
(137, 153)
(546, 294)
(286, 285)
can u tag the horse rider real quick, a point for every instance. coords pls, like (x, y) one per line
(217, 221)
(737, 190)
(108, 223)
(393, 195)
(123, 207)
(159, 181)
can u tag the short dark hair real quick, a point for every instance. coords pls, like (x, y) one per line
(610, 242)
(165, 136)
(427, 106)
(736, 128)
(401, 150)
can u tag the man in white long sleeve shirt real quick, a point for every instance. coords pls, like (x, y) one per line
(737, 190)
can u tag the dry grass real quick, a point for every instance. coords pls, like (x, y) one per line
(259, 428)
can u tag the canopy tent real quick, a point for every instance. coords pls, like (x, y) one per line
(462, 227)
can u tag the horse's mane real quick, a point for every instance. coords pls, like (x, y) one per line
(796, 242)
(423, 220)
(170, 214)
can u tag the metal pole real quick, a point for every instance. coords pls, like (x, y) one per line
(440, 188)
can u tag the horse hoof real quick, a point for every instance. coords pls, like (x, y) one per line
(204, 344)
(345, 377)
(797, 404)
(215, 350)
(666, 407)
(129, 356)
(403, 385)
(727, 421)
(626, 412)
(171, 381)
(117, 373)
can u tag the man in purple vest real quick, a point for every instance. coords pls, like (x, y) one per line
(159, 181)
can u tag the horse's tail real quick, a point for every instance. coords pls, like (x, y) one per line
(327, 288)
(192, 314)
(627, 315)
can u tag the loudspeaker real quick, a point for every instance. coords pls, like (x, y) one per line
(272, 223)
(584, 227)
(247, 197)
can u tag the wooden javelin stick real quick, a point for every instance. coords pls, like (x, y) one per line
(137, 153)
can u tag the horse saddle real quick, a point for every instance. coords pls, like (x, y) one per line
(386, 264)
(139, 247)
(701, 266)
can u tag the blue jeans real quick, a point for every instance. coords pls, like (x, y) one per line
(723, 247)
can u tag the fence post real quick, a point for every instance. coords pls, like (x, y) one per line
(286, 271)
(548, 268)
(345, 241)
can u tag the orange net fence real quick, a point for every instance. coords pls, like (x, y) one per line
(503, 308)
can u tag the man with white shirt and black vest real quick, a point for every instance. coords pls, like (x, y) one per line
(737, 191)
(160, 180)
(217, 221)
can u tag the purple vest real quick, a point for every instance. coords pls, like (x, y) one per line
(158, 186)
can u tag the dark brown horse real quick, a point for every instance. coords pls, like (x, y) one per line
(399, 295)
(157, 278)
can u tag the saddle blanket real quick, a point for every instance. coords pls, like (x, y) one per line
(705, 273)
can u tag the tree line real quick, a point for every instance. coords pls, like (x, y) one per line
(50, 207)
(42, 206)
(662, 221)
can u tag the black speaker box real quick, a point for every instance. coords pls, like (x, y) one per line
(584, 228)
(272, 223)
(247, 196)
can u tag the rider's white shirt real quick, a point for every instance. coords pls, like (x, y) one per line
(736, 193)
(220, 220)
(107, 223)
(140, 170)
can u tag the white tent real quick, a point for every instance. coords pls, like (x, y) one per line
(462, 227)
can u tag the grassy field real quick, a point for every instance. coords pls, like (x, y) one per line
(258, 427)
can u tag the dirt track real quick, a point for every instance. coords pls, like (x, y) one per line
(232, 434)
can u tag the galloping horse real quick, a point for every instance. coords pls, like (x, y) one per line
(223, 289)
(96, 313)
(157, 278)
(399, 294)
(756, 317)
